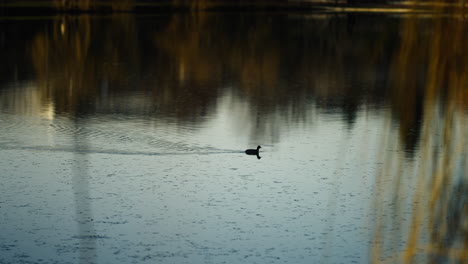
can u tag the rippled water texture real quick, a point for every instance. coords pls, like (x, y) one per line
(122, 138)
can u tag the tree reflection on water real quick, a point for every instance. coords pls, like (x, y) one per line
(283, 65)
(180, 61)
(430, 96)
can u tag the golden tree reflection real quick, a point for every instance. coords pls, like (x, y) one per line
(430, 92)
(89, 5)
(75, 60)
(189, 56)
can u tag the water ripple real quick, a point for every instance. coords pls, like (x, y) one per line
(73, 149)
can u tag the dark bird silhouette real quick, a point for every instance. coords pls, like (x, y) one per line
(254, 152)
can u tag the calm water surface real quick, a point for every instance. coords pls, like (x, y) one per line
(122, 139)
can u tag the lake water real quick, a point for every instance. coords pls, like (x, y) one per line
(122, 138)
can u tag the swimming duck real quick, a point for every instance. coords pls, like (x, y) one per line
(253, 151)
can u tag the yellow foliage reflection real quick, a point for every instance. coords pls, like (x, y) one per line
(89, 5)
(439, 221)
(76, 60)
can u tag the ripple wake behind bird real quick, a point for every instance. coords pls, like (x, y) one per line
(72, 149)
(122, 138)
(125, 135)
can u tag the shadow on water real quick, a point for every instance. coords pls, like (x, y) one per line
(83, 208)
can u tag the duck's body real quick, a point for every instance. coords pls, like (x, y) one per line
(253, 151)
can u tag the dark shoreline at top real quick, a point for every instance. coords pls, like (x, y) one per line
(12, 9)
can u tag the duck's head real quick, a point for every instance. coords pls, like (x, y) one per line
(258, 147)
